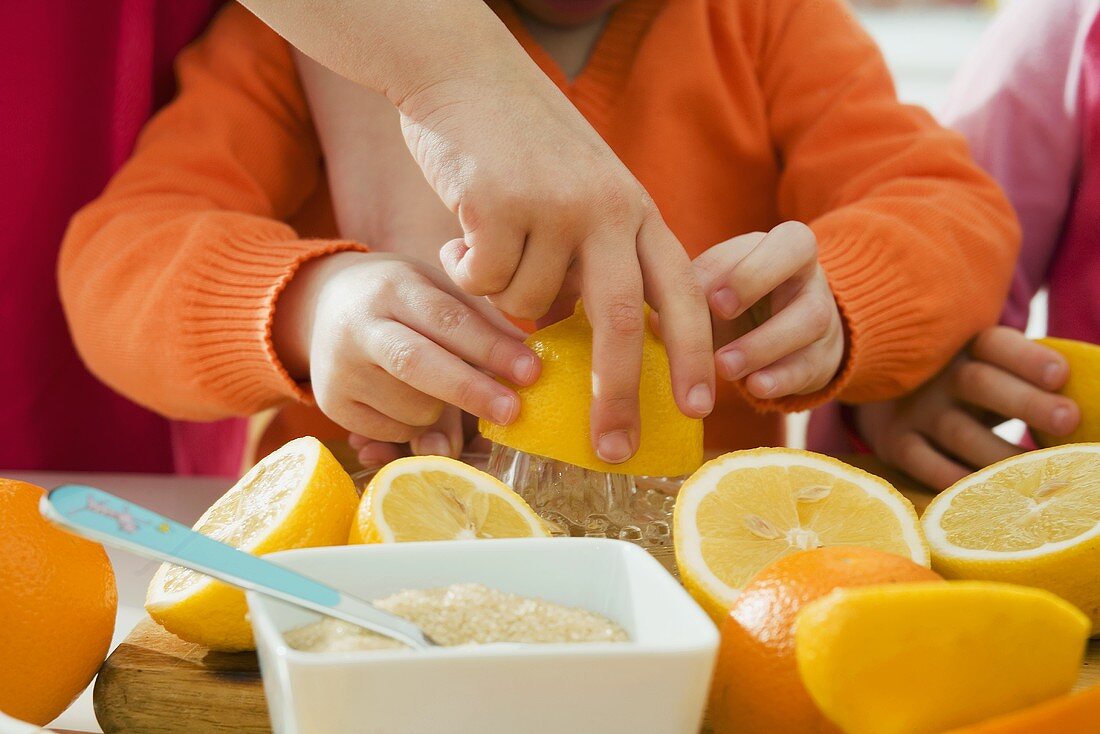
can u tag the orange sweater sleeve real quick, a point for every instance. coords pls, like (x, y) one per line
(895, 201)
(169, 279)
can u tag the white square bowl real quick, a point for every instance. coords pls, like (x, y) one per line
(655, 684)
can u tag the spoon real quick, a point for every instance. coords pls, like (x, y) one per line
(113, 521)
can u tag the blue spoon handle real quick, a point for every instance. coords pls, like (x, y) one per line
(101, 516)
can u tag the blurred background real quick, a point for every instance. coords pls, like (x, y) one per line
(925, 41)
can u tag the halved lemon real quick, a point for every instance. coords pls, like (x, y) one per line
(296, 497)
(1033, 519)
(746, 509)
(437, 498)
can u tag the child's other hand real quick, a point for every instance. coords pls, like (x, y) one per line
(943, 431)
(541, 198)
(775, 318)
(386, 342)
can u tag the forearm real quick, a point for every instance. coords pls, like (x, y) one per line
(379, 194)
(397, 47)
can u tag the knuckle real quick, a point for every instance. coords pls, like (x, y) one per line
(402, 360)
(499, 351)
(468, 394)
(451, 318)
(971, 378)
(489, 279)
(621, 405)
(618, 201)
(626, 319)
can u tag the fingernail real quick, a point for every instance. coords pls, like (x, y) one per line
(699, 399)
(724, 302)
(1052, 374)
(614, 447)
(432, 444)
(766, 384)
(502, 410)
(731, 363)
(523, 369)
(1062, 420)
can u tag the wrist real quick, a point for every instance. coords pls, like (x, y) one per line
(483, 69)
(296, 309)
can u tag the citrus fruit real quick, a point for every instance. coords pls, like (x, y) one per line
(1077, 713)
(437, 498)
(554, 414)
(1082, 387)
(1033, 519)
(756, 688)
(296, 497)
(57, 609)
(923, 658)
(744, 510)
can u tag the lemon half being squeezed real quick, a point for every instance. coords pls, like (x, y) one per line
(554, 411)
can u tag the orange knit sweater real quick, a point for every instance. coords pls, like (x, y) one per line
(734, 114)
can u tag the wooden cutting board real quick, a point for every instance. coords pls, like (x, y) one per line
(155, 683)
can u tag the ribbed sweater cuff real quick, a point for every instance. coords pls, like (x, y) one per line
(230, 307)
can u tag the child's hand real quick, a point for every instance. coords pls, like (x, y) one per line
(943, 431)
(453, 434)
(792, 341)
(386, 342)
(543, 203)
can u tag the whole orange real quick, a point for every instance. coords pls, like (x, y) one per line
(57, 609)
(757, 689)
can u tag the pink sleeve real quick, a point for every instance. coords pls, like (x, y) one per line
(1016, 103)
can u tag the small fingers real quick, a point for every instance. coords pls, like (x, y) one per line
(805, 320)
(464, 331)
(357, 417)
(784, 252)
(802, 373)
(373, 454)
(538, 278)
(969, 440)
(373, 386)
(672, 289)
(915, 456)
(1013, 352)
(612, 286)
(485, 262)
(425, 366)
(987, 386)
(442, 439)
